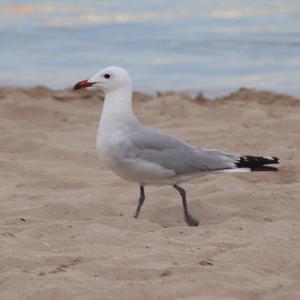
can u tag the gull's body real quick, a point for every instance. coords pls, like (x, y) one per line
(143, 155)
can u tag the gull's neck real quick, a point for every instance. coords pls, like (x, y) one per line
(117, 108)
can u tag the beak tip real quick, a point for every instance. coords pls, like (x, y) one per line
(77, 86)
(82, 84)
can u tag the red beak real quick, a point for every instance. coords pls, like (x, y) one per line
(82, 84)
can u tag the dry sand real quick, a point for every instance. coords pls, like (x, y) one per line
(66, 225)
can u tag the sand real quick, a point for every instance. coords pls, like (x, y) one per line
(66, 225)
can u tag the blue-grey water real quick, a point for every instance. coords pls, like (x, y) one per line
(213, 46)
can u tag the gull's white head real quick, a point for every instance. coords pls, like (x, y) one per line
(108, 79)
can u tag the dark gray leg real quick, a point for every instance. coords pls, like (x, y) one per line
(141, 201)
(188, 218)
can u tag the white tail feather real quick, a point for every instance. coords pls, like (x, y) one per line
(239, 170)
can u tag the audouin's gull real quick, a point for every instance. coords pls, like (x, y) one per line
(149, 157)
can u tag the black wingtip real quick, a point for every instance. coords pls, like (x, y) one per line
(256, 163)
(264, 169)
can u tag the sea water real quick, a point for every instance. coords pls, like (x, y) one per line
(212, 46)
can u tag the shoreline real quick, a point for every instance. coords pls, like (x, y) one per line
(241, 93)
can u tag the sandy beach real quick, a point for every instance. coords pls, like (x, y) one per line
(66, 224)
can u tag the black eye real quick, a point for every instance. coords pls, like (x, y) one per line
(106, 76)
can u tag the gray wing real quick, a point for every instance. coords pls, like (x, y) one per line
(156, 147)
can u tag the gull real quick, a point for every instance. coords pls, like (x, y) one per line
(148, 157)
